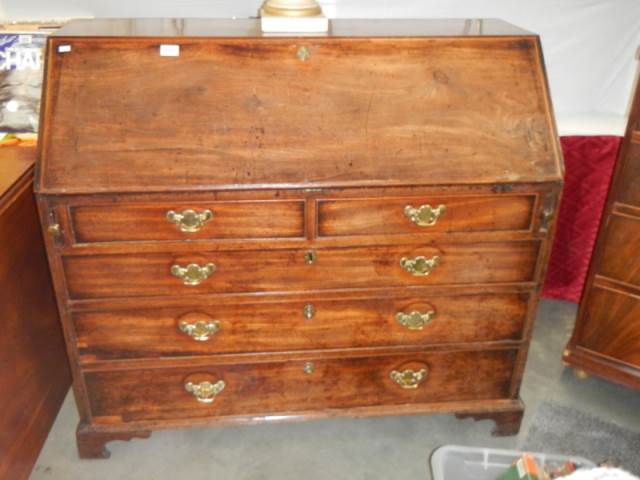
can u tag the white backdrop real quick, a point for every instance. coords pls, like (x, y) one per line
(589, 45)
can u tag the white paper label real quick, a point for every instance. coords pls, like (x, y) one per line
(169, 50)
(64, 48)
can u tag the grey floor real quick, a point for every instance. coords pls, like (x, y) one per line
(354, 449)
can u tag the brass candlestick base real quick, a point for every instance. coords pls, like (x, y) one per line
(291, 8)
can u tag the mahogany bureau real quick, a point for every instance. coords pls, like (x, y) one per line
(245, 228)
(606, 338)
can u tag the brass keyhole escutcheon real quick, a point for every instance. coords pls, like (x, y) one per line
(308, 311)
(310, 257)
(309, 368)
(546, 218)
(303, 54)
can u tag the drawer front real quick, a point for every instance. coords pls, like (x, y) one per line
(388, 216)
(187, 221)
(611, 325)
(323, 324)
(103, 276)
(314, 384)
(620, 259)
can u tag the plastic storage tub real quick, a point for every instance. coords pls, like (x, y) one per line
(452, 462)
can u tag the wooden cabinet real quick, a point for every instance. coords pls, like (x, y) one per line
(34, 370)
(295, 227)
(606, 339)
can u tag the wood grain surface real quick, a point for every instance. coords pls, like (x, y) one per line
(629, 178)
(298, 146)
(140, 222)
(266, 327)
(253, 389)
(611, 325)
(105, 276)
(34, 371)
(606, 338)
(354, 113)
(620, 258)
(380, 216)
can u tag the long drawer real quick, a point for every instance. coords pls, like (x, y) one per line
(131, 275)
(261, 327)
(264, 388)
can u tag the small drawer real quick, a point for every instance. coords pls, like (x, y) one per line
(282, 270)
(187, 221)
(251, 389)
(419, 215)
(211, 328)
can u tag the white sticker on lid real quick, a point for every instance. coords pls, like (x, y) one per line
(169, 50)
(64, 48)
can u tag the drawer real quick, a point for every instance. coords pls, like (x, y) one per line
(611, 325)
(103, 276)
(323, 324)
(187, 221)
(388, 216)
(620, 259)
(302, 385)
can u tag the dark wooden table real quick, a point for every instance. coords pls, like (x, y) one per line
(34, 371)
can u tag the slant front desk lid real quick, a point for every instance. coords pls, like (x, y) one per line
(156, 105)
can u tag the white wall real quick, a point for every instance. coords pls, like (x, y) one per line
(589, 45)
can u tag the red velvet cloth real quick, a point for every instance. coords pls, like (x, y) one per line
(589, 163)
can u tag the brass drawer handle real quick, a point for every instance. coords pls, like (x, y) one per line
(193, 274)
(424, 215)
(415, 320)
(420, 266)
(189, 221)
(201, 331)
(205, 392)
(408, 379)
(54, 229)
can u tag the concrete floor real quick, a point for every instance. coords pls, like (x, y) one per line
(350, 449)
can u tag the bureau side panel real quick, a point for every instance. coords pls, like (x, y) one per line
(34, 371)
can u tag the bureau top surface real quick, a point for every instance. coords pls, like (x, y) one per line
(445, 102)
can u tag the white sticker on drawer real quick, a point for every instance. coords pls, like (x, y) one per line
(169, 50)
